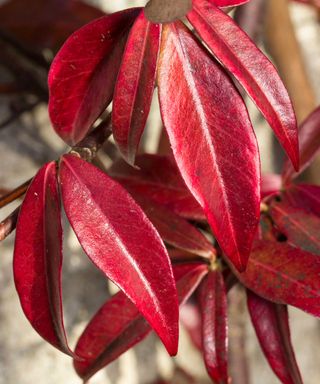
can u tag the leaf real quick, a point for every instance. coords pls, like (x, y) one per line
(135, 85)
(299, 226)
(37, 259)
(285, 275)
(158, 178)
(44, 24)
(190, 318)
(213, 307)
(175, 230)
(83, 74)
(271, 184)
(118, 325)
(120, 240)
(304, 196)
(234, 49)
(215, 148)
(309, 144)
(226, 3)
(271, 324)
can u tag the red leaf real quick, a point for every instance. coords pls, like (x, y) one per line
(190, 318)
(215, 147)
(309, 144)
(304, 196)
(158, 178)
(135, 85)
(226, 3)
(299, 226)
(213, 307)
(118, 325)
(251, 68)
(285, 275)
(38, 258)
(120, 240)
(83, 74)
(271, 184)
(175, 230)
(271, 324)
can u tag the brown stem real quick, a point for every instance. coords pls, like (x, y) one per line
(9, 224)
(285, 50)
(14, 194)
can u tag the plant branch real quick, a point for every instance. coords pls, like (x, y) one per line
(8, 225)
(14, 194)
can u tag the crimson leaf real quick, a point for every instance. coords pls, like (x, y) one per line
(120, 240)
(234, 49)
(215, 148)
(83, 74)
(135, 85)
(304, 196)
(271, 324)
(38, 258)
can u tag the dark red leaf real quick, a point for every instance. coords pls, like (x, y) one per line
(309, 144)
(304, 196)
(271, 324)
(135, 85)
(44, 24)
(271, 183)
(299, 226)
(175, 230)
(83, 74)
(215, 148)
(158, 178)
(38, 258)
(118, 325)
(120, 240)
(285, 275)
(226, 3)
(234, 49)
(213, 307)
(190, 318)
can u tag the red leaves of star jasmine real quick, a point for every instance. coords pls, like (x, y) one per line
(83, 74)
(285, 275)
(135, 85)
(221, 160)
(118, 325)
(234, 49)
(304, 196)
(271, 324)
(213, 306)
(226, 3)
(38, 258)
(117, 236)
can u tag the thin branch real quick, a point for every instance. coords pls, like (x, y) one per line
(8, 225)
(15, 194)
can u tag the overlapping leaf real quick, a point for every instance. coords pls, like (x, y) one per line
(118, 237)
(38, 258)
(158, 178)
(299, 226)
(284, 274)
(227, 3)
(213, 306)
(271, 183)
(215, 148)
(234, 49)
(271, 324)
(309, 145)
(304, 196)
(83, 74)
(135, 85)
(118, 325)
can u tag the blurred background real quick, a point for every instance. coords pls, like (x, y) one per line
(31, 31)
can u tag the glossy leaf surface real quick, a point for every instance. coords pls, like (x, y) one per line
(158, 178)
(213, 307)
(38, 258)
(309, 145)
(304, 196)
(234, 49)
(118, 325)
(83, 74)
(299, 226)
(135, 85)
(226, 3)
(215, 148)
(271, 324)
(175, 230)
(120, 240)
(285, 275)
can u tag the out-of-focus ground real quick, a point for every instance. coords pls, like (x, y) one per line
(25, 358)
